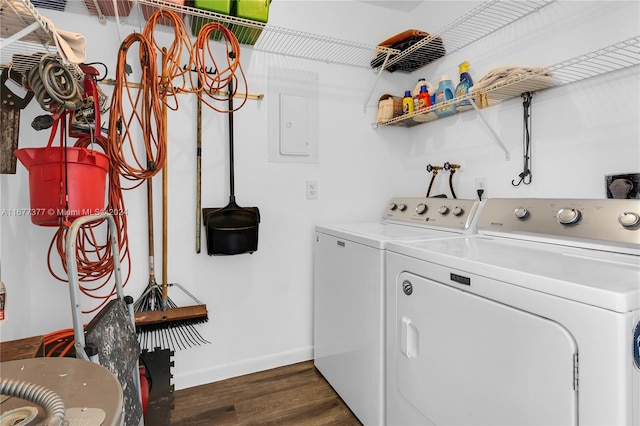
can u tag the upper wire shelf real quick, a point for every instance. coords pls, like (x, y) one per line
(286, 41)
(470, 27)
(479, 22)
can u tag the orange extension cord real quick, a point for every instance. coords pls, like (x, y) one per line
(218, 80)
(94, 259)
(179, 75)
(212, 78)
(146, 114)
(59, 343)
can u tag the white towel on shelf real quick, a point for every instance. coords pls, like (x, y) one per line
(504, 73)
(71, 46)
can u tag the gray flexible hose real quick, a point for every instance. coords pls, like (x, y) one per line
(46, 398)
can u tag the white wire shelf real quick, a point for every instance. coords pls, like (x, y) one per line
(23, 30)
(612, 58)
(479, 22)
(472, 26)
(283, 41)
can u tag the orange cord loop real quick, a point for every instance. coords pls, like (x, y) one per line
(145, 111)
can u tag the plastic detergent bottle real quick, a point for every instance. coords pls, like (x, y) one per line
(424, 99)
(407, 103)
(416, 91)
(432, 93)
(444, 92)
(465, 83)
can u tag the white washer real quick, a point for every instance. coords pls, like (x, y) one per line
(349, 293)
(534, 320)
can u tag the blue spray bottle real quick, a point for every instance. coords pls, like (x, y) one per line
(465, 83)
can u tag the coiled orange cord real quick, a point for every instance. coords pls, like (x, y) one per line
(95, 259)
(145, 111)
(60, 339)
(178, 78)
(215, 82)
(211, 79)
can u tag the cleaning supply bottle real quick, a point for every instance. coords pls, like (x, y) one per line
(407, 103)
(432, 92)
(416, 91)
(465, 83)
(424, 98)
(444, 93)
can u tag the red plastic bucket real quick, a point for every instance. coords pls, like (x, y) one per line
(85, 174)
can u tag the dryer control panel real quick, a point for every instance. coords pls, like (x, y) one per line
(443, 213)
(607, 222)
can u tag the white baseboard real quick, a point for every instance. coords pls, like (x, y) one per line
(242, 367)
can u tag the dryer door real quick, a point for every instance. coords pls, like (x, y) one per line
(464, 359)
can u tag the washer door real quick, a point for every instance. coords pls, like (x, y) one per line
(463, 359)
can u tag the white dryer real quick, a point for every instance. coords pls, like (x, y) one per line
(534, 320)
(349, 273)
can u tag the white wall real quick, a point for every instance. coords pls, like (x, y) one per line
(260, 305)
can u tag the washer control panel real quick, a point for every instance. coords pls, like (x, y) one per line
(458, 214)
(609, 221)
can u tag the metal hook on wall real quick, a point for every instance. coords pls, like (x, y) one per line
(209, 71)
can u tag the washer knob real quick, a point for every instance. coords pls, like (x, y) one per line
(421, 208)
(458, 211)
(402, 207)
(443, 210)
(393, 206)
(521, 213)
(629, 219)
(568, 216)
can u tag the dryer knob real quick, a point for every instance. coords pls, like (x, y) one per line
(402, 207)
(521, 213)
(457, 211)
(421, 208)
(393, 206)
(568, 216)
(443, 210)
(629, 219)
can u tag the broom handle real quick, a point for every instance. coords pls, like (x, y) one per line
(165, 191)
(151, 242)
(152, 263)
(199, 172)
(231, 167)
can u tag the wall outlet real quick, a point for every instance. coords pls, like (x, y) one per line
(312, 190)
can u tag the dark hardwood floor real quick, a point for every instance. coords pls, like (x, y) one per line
(295, 394)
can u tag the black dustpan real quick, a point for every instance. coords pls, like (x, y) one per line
(231, 229)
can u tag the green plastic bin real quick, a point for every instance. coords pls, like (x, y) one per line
(255, 10)
(217, 6)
